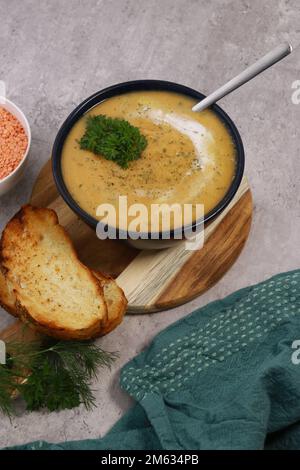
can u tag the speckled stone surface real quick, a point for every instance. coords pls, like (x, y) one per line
(54, 54)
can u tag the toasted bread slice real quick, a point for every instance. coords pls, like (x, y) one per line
(113, 295)
(115, 300)
(54, 291)
(7, 296)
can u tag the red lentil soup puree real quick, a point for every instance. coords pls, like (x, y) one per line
(190, 157)
(13, 143)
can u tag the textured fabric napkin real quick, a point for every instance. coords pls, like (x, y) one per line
(224, 377)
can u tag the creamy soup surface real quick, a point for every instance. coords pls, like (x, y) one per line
(190, 157)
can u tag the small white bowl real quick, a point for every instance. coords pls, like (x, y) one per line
(14, 177)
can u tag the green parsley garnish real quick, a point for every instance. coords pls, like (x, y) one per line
(113, 138)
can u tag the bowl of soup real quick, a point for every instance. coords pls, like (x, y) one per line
(191, 159)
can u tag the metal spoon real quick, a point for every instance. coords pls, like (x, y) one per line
(262, 64)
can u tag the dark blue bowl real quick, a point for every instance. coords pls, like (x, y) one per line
(139, 85)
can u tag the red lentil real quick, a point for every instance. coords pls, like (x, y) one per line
(13, 143)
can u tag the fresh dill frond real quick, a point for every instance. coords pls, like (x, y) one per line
(51, 374)
(113, 138)
(18, 358)
(6, 390)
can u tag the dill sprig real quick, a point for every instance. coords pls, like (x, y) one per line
(7, 386)
(51, 374)
(113, 138)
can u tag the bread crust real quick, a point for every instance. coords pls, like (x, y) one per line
(7, 297)
(117, 310)
(55, 331)
(17, 227)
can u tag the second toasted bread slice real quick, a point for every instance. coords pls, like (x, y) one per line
(115, 300)
(54, 290)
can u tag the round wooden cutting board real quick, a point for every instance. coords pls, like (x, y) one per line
(155, 280)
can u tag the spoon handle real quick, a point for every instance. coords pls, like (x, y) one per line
(262, 64)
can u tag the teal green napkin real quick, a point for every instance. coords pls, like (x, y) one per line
(221, 378)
